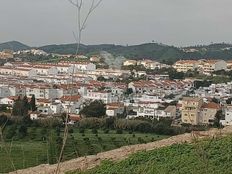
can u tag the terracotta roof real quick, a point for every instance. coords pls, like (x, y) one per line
(13, 97)
(195, 99)
(70, 98)
(111, 106)
(211, 105)
(186, 62)
(74, 117)
(43, 100)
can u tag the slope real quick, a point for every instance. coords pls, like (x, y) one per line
(13, 45)
(123, 153)
(209, 156)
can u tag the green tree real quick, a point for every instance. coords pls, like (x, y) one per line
(32, 103)
(25, 106)
(17, 107)
(21, 107)
(94, 109)
(22, 132)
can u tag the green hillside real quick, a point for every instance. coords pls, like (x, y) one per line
(153, 51)
(211, 156)
(13, 45)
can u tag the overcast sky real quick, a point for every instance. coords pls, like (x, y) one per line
(173, 22)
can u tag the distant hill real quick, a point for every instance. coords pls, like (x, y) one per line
(155, 51)
(13, 45)
(148, 51)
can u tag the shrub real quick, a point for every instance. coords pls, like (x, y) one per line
(119, 131)
(86, 139)
(140, 140)
(94, 131)
(104, 147)
(106, 131)
(92, 123)
(82, 130)
(99, 139)
(70, 131)
(11, 132)
(113, 138)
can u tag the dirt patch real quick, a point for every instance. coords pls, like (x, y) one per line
(88, 162)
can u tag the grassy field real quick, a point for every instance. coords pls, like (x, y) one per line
(32, 151)
(208, 156)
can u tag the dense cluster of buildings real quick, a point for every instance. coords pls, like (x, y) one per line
(68, 86)
(6, 54)
(203, 66)
(148, 64)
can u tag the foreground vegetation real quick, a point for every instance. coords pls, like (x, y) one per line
(208, 156)
(42, 146)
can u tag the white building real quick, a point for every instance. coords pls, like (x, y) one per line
(44, 70)
(228, 116)
(56, 108)
(209, 66)
(106, 97)
(6, 101)
(114, 109)
(130, 63)
(79, 66)
(72, 104)
(4, 91)
(186, 65)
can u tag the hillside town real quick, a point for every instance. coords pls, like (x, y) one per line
(68, 86)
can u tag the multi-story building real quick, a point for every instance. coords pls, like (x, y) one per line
(228, 116)
(209, 66)
(79, 66)
(208, 113)
(229, 65)
(106, 97)
(114, 109)
(130, 63)
(190, 110)
(6, 54)
(186, 65)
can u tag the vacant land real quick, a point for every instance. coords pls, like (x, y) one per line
(33, 150)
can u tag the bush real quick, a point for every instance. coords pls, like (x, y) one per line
(119, 131)
(82, 130)
(11, 132)
(70, 131)
(106, 131)
(94, 131)
(22, 131)
(92, 123)
(141, 141)
(94, 109)
(104, 147)
(86, 139)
